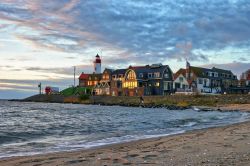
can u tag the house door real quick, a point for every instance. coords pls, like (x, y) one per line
(131, 93)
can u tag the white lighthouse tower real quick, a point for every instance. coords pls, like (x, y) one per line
(97, 64)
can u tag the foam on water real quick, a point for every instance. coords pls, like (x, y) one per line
(38, 128)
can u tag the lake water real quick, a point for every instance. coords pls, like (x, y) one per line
(35, 128)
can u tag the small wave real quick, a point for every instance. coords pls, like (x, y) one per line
(64, 127)
(190, 124)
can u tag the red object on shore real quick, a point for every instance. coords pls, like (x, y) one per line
(48, 90)
(51, 90)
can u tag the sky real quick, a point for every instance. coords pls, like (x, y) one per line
(41, 40)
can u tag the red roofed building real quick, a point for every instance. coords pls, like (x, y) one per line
(83, 80)
(180, 83)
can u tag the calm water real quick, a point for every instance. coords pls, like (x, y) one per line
(33, 128)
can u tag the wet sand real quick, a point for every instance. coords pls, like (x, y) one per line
(229, 145)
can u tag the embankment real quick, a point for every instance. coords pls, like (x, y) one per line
(182, 101)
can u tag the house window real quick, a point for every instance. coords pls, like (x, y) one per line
(131, 75)
(141, 75)
(130, 84)
(157, 84)
(166, 75)
(167, 86)
(114, 76)
(181, 79)
(149, 75)
(157, 75)
(120, 76)
(200, 81)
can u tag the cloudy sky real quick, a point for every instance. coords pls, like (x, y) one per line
(41, 40)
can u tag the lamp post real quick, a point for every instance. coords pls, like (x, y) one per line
(40, 88)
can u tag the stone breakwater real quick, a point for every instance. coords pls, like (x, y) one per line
(173, 102)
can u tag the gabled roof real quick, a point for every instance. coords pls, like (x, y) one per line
(108, 70)
(203, 72)
(119, 71)
(179, 72)
(95, 77)
(84, 76)
(149, 69)
(199, 71)
(222, 71)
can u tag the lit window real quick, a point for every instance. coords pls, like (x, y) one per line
(131, 75)
(157, 84)
(130, 84)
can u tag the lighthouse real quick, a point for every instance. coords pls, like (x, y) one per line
(97, 64)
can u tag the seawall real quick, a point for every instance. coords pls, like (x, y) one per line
(182, 101)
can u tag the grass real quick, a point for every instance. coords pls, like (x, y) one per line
(75, 91)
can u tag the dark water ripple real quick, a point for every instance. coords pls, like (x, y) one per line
(33, 128)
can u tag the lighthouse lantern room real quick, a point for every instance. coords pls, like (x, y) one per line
(97, 64)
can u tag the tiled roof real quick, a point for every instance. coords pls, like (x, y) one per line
(95, 76)
(84, 76)
(180, 71)
(222, 70)
(202, 72)
(119, 71)
(149, 69)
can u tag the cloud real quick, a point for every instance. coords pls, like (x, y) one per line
(128, 32)
(138, 27)
(62, 70)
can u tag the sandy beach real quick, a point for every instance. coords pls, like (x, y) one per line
(228, 145)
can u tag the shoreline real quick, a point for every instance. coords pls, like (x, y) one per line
(181, 148)
(221, 108)
(170, 102)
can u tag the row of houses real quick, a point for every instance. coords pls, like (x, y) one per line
(159, 79)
